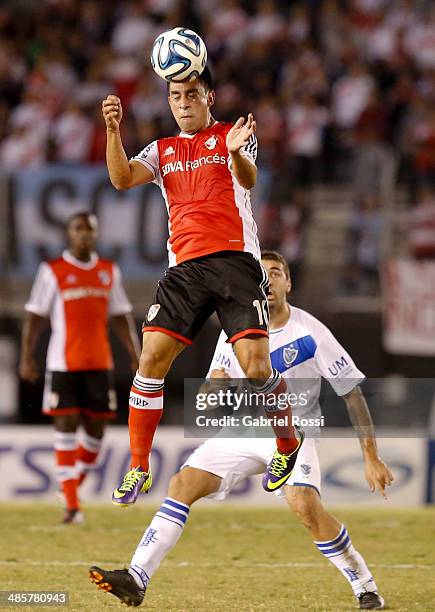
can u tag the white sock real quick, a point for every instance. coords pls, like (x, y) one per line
(65, 441)
(342, 554)
(160, 537)
(92, 445)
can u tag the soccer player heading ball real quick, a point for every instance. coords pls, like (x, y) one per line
(205, 174)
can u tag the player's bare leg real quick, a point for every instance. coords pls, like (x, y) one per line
(65, 446)
(252, 353)
(89, 444)
(159, 350)
(192, 484)
(160, 537)
(333, 541)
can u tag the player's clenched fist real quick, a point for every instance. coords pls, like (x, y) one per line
(112, 112)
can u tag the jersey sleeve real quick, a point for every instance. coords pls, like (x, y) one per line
(149, 157)
(223, 357)
(43, 291)
(335, 364)
(250, 149)
(118, 302)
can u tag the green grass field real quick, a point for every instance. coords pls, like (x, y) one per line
(229, 559)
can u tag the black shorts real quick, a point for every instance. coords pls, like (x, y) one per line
(87, 391)
(230, 283)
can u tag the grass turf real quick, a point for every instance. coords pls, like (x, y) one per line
(229, 558)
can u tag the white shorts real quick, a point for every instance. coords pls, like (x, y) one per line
(234, 459)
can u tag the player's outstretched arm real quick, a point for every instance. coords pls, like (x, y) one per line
(238, 136)
(377, 473)
(123, 174)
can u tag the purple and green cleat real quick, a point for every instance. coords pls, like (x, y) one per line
(280, 467)
(135, 481)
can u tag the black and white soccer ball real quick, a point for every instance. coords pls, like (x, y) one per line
(178, 55)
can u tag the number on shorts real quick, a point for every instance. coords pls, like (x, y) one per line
(261, 306)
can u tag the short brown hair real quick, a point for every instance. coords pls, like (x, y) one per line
(205, 78)
(275, 256)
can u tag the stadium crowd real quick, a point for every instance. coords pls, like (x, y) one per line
(338, 88)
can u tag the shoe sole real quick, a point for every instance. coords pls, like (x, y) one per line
(104, 585)
(98, 579)
(121, 505)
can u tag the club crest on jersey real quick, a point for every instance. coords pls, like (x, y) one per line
(169, 151)
(152, 312)
(305, 468)
(104, 277)
(289, 355)
(211, 142)
(70, 279)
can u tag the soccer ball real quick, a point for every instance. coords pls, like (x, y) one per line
(178, 55)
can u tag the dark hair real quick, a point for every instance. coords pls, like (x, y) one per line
(275, 256)
(78, 215)
(205, 78)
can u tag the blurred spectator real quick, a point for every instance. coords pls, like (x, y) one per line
(304, 74)
(146, 102)
(420, 41)
(268, 25)
(419, 142)
(350, 94)
(32, 113)
(421, 232)
(270, 130)
(22, 148)
(284, 222)
(361, 274)
(299, 26)
(95, 85)
(124, 75)
(306, 120)
(404, 14)
(228, 27)
(134, 32)
(72, 135)
(334, 32)
(373, 159)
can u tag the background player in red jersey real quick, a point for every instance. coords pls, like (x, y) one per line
(79, 292)
(205, 174)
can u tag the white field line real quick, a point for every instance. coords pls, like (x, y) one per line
(398, 566)
(232, 526)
